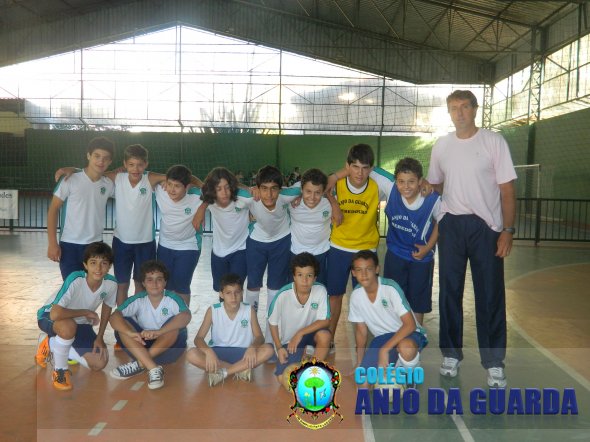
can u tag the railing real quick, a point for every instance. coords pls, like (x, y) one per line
(537, 219)
(32, 213)
(543, 219)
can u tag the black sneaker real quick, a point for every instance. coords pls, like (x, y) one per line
(127, 370)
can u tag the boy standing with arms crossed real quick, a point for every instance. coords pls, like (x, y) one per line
(82, 218)
(69, 315)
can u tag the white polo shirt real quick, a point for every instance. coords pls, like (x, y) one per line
(290, 316)
(272, 225)
(140, 308)
(134, 210)
(84, 210)
(230, 225)
(176, 228)
(310, 228)
(75, 294)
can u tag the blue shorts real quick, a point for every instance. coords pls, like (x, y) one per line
(231, 355)
(233, 263)
(274, 254)
(181, 264)
(168, 356)
(371, 358)
(83, 341)
(415, 279)
(128, 256)
(72, 258)
(339, 262)
(322, 259)
(308, 339)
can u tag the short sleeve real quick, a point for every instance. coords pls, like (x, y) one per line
(354, 314)
(385, 182)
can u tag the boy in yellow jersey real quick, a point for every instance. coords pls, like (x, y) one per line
(358, 196)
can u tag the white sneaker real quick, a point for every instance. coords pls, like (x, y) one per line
(449, 367)
(216, 378)
(496, 377)
(156, 378)
(244, 375)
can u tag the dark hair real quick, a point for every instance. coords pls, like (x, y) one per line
(153, 265)
(208, 191)
(463, 95)
(135, 151)
(231, 279)
(361, 152)
(269, 174)
(305, 259)
(365, 254)
(179, 173)
(98, 249)
(102, 143)
(409, 165)
(315, 177)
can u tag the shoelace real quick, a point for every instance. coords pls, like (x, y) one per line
(449, 362)
(61, 376)
(496, 372)
(155, 375)
(128, 368)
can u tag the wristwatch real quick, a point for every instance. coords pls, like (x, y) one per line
(511, 230)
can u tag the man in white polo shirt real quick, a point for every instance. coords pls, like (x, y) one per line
(476, 223)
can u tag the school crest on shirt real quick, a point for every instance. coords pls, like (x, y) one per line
(314, 305)
(237, 209)
(325, 214)
(164, 311)
(244, 323)
(384, 303)
(103, 190)
(103, 295)
(187, 211)
(143, 190)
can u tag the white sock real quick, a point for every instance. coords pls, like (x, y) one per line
(252, 298)
(61, 349)
(224, 372)
(75, 356)
(409, 364)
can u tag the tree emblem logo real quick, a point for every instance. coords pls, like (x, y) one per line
(314, 385)
(187, 211)
(143, 190)
(103, 190)
(244, 323)
(164, 311)
(384, 303)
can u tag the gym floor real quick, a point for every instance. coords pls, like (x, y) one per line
(548, 340)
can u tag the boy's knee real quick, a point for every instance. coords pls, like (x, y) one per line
(408, 349)
(322, 337)
(65, 328)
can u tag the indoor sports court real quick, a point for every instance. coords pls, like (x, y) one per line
(294, 84)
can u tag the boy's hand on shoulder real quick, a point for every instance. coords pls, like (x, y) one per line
(250, 357)
(421, 252)
(66, 172)
(296, 202)
(54, 252)
(426, 188)
(332, 179)
(282, 355)
(92, 317)
(255, 191)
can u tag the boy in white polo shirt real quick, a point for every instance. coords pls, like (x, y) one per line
(270, 239)
(229, 206)
(151, 326)
(82, 200)
(378, 305)
(299, 315)
(179, 245)
(310, 220)
(237, 345)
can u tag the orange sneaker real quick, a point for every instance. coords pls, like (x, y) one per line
(117, 347)
(43, 353)
(61, 379)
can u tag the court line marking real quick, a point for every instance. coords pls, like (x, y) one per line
(97, 429)
(368, 433)
(564, 366)
(137, 386)
(119, 405)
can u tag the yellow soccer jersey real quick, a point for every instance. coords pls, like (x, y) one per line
(358, 230)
